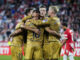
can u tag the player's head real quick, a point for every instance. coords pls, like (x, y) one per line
(42, 10)
(28, 11)
(36, 12)
(52, 11)
(64, 25)
(31, 11)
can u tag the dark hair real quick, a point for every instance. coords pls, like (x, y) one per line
(42, 6)
(36, 10)
(27, 11)
(64, 24)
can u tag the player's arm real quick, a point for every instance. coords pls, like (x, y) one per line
(16, 32)
(25, 18)
(63, 42)
(40, 22)
(31, 29)
(52, 32)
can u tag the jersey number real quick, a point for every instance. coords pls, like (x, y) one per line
(35, 35)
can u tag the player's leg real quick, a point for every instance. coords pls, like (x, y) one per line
(71, 57)
(55, 50)
(24, 49)
(46, 51)
(16, 51)
(28, 51)
(14, 57)
(65, 57)
(38, 55)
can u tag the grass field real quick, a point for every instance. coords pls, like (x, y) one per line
(9, 58)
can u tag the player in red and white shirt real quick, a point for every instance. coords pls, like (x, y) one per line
(68, 42)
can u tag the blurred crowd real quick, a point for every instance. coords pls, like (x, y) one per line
(12, 11)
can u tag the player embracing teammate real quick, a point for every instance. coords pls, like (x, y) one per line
(42, 35)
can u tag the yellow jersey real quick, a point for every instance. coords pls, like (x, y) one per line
(44, 22)
(19, 36)
(54, 25)
(19, 25)
(25, 18)
(31, 35)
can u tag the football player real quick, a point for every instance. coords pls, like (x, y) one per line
(68, 42)
(34, 41)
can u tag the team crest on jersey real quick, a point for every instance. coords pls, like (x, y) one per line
(44, 21)
(55, 23)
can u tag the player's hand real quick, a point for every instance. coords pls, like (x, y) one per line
(37, 31)
(22, 26)
(10, 35)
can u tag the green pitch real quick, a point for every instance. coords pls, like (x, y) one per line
(9, 58)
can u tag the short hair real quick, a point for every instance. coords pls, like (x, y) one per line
(54, 8)
(27, 11)
(42, 6)
(36, 10)
(64, 24)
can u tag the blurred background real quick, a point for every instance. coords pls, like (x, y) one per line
(12, 11)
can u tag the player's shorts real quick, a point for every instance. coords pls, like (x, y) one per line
(24, 49)
(16, 50)
(46, 51)
(33, 51)
(52, 50)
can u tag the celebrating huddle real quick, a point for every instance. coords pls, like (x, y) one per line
(40, 35)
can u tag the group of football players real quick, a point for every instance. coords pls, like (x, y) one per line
(39, 32)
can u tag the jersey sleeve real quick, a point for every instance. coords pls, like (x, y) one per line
(25, 18)
(29, 24)
(57, 21)
(18, 25)
(40, 22)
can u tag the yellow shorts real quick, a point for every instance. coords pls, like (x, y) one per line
(52, 50)
(46, 51)
(33, 51)
(16, 50)
(24, 48)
